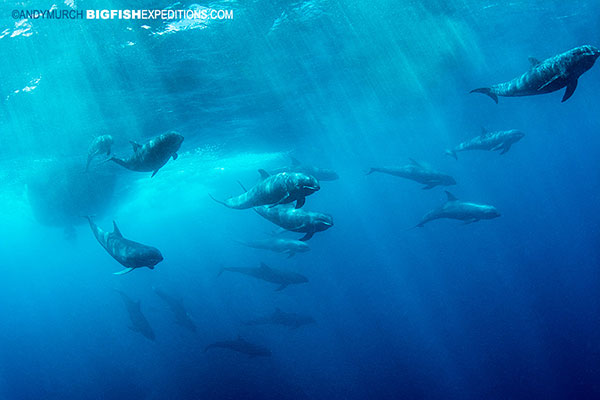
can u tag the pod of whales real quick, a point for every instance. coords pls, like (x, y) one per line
(282, 188)
(492, 141)
(461, 210)
(153, 155)
(128, 253)
(100, 145)
(268, 274)
(418, 173)
(547, 76)
(297, 220)
(241, 346)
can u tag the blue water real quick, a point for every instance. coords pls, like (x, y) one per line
(502, 309)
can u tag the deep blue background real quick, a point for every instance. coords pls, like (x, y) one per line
(507, 308)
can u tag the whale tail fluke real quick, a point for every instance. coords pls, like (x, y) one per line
(221, 270)
(486, 91)
(370, 171)
(452, 153)
(218, 201)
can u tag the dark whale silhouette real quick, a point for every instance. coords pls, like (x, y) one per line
(153, 155)
(128, 253)
(297, 220)
(547, 76)
(139, 323)
(266, 273)
(418, 173)
(501, 140)
(241, 346)
(282, 188)
(464, 211)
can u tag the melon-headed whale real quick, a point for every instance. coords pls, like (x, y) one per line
(139, 323)
(418, 173)
(297, 220)
(492, 141)
(461, 210)
(268, 274)
(291, 320)
(127, 252)
(278, 245)
(547, 76)
(153, 155)
(282, 188)
(241, 346)
(100, 145)
(321, 174)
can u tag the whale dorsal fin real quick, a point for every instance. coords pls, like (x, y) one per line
(295, 161)
(533, 61)
(116, 230)
(414, 162)
(263, 174)
(450, 196)
(135, 145)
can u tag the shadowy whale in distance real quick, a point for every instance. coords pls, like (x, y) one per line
(241, 346)
(547, 76)
(461, 210)
(100, 145)
(153, 155)
(297, 220)
(266, 273)
(128, 253)
(182, 318)
(291, 320)
(418, 173)
(139, 323)
(282, 188)
(278, 245)
(321, 174)
(492, 141)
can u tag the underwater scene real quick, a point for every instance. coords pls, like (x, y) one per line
(321, 199)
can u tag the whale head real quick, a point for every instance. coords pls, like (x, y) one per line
(489, 212)
(306, 184)
(172, 140)
(323, 222)
(152, 257)
(515, 135)
(584, 57)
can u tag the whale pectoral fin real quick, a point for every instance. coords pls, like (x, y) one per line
(570, 90)
(307, 236)
(283, 286)
(123, 272)
(154, 173)
(282, 201)
(429, 186)
(300, 202)
(555, 77)
(175, 155)
(505, 149)
(470, 221)
(291, 254)
(497, 147)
